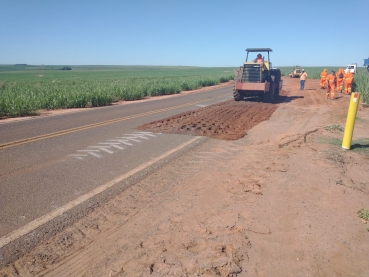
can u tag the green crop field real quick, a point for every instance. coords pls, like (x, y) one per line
(361, 84)
(26, 89)
(314, 72)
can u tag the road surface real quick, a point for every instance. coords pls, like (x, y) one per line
(47, 162)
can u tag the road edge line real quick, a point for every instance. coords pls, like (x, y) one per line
(28, 228)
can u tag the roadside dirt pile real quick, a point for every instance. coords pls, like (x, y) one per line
(281, 201)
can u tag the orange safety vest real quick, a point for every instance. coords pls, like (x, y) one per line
(324, 75)
(331, 79)
(339, 73)
(349, 78)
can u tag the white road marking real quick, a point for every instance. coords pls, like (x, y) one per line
(31, 226)
(124, 141)
(103, 148)
(138, 136)
(78, 156)
(116, 143)
(118, 147)
(147, 134)
(91, 152)
(202, 105)
(132, 138)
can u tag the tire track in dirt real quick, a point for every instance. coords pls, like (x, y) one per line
(227, 120)
(310, 96)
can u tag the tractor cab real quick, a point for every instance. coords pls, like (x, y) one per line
(264, 63)
(260, 66)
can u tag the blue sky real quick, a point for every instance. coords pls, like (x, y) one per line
(207, 33)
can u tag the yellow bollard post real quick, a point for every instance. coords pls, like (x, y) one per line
(350, 120)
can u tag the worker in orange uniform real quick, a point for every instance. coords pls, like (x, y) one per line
(348, 79)
(331, 82)
(339, 80)
(323, 79)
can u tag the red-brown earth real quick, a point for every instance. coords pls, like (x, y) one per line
(282, 200)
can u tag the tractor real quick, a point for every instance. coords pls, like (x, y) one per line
(296, 72)
(257, 78)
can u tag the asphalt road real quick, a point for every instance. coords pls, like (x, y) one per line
(48, 162)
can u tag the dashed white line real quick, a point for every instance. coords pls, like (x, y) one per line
(91, 152)
(147, 134)
(132, 138)
(116, 143)
(78, 156)
(138, 136)
(102, 148)
(112, 144)
(124, 141)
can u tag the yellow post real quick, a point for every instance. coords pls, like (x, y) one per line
(350, 120)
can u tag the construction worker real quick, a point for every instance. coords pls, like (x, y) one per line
(259, 59)
(331, 82)
(323, 79)
(303, 78)
(339, 80)
(348, 79)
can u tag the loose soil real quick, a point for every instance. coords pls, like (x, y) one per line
(228, 120)
(279, 201)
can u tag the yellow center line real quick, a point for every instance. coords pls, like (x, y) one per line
(94, 125)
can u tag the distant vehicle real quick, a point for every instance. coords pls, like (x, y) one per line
(296, 72)
(352, 67)
(366, 63)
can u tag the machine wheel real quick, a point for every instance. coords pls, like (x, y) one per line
(261, 96)
(276, 91)
(268, 97)
(237, 95)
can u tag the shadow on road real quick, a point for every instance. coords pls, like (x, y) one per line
(280, 99)
(287, 99)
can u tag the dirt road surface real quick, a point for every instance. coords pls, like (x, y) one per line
(228, 120)
(282, 200)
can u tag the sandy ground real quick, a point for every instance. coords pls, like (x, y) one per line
(228, 120)
(280, 201)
